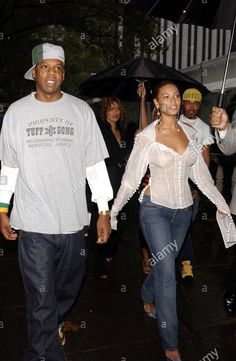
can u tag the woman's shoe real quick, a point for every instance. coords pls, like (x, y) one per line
(229, 300)
(146, 267)
(173, 356)
(104, 276)
(61, 333)
(147, 311)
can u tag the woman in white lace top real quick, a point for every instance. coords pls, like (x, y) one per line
(173, 155)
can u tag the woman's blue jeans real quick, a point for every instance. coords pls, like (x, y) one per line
(186, 253)
(164, 230)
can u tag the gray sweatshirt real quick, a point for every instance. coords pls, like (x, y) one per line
(52, 144)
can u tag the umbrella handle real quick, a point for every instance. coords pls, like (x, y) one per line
(143, 117)
(220, 100)
(221, 97)
(140, 115)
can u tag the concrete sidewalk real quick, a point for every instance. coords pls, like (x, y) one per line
(108, 323)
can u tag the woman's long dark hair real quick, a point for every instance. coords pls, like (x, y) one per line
(105, 105)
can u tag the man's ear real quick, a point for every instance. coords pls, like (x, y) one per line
(33, 74)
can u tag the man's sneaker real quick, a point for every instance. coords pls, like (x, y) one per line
(62, 334)
(187, 270)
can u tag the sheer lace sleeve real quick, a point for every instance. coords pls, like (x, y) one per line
(203, 179)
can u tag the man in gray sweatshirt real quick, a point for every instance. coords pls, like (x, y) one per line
(50, 143)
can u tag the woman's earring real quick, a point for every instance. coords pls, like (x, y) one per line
(158, 113)
(177, 116)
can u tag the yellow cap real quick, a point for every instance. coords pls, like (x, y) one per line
(193, 95)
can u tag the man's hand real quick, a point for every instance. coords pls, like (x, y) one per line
(219, 118)
(103, 229)
(6, 229)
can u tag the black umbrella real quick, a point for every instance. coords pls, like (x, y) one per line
(220, 14)
(213, 14)
(122, 80)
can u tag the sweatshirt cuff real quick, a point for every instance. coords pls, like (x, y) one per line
(5, 196)
(4, 207)
(222, 133)
(102, 205)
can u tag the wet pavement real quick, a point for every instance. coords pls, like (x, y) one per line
(107, 322)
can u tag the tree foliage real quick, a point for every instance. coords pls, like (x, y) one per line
(95, 34)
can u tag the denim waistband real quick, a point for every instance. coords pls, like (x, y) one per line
(146, 198)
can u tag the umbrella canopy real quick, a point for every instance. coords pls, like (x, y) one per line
(122, 80)
(218, 14)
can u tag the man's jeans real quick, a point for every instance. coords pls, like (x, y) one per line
(164, 229)
(52, 268)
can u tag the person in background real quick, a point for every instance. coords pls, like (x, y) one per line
(191, 102)
(143, 122)
(50, 143)
(226, 140)
(143, 119)
(111, 123)
(170, 149)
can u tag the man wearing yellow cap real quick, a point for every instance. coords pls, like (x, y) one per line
(191, 102)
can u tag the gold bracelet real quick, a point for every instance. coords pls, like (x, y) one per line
(104, 213)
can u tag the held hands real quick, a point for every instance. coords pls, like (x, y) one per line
(6, 229)
(103, 228)
(219, 118)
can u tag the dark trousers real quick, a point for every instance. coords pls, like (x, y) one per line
(230, 285)
(102, 251)
(52, 269)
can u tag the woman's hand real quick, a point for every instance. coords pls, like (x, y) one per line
(141, 91)
(222, 214)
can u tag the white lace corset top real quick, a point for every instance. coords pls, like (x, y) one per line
(170, 172)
